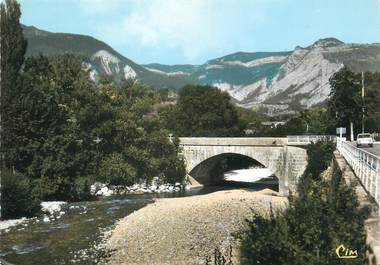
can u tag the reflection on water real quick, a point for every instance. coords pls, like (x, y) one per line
(73, 239)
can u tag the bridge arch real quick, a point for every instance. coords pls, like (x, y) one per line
(286, 162)
(211, 169)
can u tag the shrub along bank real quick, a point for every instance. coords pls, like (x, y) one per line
(322, 216)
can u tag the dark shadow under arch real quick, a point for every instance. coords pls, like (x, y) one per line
(210, 171)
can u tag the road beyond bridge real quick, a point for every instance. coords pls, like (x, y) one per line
(286, 162)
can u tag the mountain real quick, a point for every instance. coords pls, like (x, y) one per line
(281, 82)
(100, 58)
(274, 82)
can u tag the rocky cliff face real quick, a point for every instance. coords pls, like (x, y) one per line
(285, 82)
(301, 82)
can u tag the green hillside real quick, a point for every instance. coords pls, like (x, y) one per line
(48, 43)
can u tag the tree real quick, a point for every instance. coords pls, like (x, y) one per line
(204, 111)
(319, 157)
(12, 51)
(141, 137)
(345, 100)
(372, 102)
(347, 104)
(13, 47)
(267, 241)
(18, 198)
(115, 170)
(58, 112)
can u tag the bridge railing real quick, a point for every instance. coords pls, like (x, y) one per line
(365, 165)
(307, 139)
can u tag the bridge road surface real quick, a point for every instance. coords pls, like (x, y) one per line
(375, 150)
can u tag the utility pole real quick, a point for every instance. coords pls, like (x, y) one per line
(1, 124)
(351, 131)
(362, 102)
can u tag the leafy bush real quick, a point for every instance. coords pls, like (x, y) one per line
(316, 222)
(175, 171)
(63, 188)
(47, 188)
(319, 157)
(82, 189)
(17, 196)
(115, 170)
(266, 241)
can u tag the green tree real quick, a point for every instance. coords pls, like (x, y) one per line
(318, 121)
(13, 47)
(59, 113)
(313, 121)
(141, 136)
(252, 119)
(319, 157)
(204, 111)
(295, 126)
(372, 102)
(345, 100)
(18, 199)
(267, 241)
(115, 170)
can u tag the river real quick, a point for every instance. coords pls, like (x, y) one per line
(77, 236)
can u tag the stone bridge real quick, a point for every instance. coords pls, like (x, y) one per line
(286, 162)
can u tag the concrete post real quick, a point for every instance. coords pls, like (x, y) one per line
(283, 182)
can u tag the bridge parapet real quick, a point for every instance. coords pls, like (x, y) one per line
(365, 165)
(294, 140)
(308, 139)
(234, 141)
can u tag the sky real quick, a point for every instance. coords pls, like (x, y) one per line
(194, 31)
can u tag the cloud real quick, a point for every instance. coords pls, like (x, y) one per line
(195, 27)
(188, 25)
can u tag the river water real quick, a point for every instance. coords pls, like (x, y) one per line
(76, 237)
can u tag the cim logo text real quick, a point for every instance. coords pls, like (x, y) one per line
(345, 253)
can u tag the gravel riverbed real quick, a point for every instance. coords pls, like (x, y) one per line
(188, 230)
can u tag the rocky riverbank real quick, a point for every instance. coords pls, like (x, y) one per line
(188, 230)
(101, 189)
